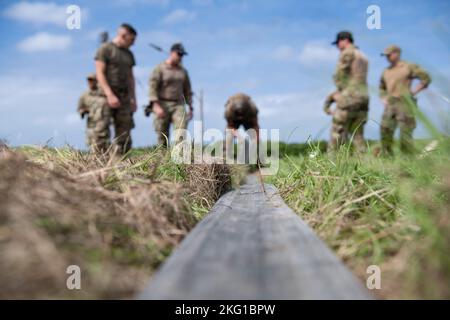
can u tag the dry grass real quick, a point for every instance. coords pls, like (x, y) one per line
(117, 219)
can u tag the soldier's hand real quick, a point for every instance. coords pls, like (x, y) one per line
(190, 114)
(113, 101)
(158, 110)
(385, 102)
(337, 96)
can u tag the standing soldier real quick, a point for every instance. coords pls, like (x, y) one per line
(85, 106)
(170, 91)
(114, 69)
(399, 100)
(352, 98)
(240, 110)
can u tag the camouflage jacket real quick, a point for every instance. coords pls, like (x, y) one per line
(85, 101)
(396, 80)
(170, 83)
(351, 72)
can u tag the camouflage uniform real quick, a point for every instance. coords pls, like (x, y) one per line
(119, 62)
(86, 105)
(395, 87)
(170, 86)
(239, 110)
(352, 105)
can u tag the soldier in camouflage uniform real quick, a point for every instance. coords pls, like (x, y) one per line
(240, 110)
(352, 98)
(114, 66)
(85, 106)
(399, 100)
(170, 91)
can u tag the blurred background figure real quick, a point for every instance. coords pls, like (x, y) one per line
(352, 96)
(114, 69)
(399, 100)
(86, 106)
(170, 91)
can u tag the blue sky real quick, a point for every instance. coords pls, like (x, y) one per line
(279, 52)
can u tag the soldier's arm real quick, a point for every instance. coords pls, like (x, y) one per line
(418, 73)
(328, 102)
(132, 88)
(81, 105)
(382, 87)
(187, 91)
(343, 68)
(83, 108)
(154, 83)
(101, 59)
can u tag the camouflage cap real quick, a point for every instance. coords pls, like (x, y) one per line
(92, 76)
(391, 49)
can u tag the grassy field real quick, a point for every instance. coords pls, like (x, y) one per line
(117, 219)
(394, 213)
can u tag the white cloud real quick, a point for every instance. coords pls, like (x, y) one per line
(284, 53)
(279, 105)
(179, 15)
(314, 53)
(38, 13)
(298, 115)
(38, 107)
(44, 41)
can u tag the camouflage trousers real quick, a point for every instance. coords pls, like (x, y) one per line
(174, 113)
(349, 120)
(102, 118)
(398, 112)
(90, 125)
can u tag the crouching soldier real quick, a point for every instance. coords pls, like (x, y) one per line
(240, 110)
(86, 105)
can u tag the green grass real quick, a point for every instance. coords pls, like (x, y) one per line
(389, 212)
